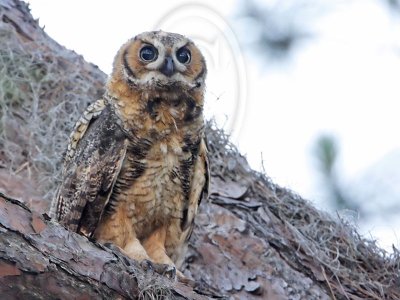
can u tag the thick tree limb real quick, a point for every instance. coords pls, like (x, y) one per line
(41, 260)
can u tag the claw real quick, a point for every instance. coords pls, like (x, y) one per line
(113, 247)
(109, 245)
(166, 270)
(147, 265)
(169, 272)
(118, 250)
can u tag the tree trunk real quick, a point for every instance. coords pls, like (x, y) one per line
(252, 240)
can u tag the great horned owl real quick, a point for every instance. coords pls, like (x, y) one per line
(136, 166)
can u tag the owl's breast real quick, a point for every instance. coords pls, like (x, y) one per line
(155, 196)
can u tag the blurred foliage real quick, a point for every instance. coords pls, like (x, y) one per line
(277, 27)
(393, 5)
(326, 153)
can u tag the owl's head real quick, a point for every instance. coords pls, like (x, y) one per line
(161, 60)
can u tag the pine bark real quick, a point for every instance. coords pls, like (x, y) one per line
(41, 260)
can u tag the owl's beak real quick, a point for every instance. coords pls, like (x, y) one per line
(168, 67)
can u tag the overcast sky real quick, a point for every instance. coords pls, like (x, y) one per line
(344, 81)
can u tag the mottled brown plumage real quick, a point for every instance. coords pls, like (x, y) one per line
(136, 166)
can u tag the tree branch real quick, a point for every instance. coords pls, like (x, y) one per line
(41, 260)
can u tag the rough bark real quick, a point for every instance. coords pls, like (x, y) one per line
(42, 260)
(252, 240)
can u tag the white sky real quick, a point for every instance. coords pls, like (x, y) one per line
(344, 81)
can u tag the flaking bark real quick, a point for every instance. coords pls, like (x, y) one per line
(40, 259)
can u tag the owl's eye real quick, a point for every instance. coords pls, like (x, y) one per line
(148, 53)
(183, 55)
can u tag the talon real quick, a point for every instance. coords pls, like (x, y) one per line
(147, 265)
(170, 272)
(113, 247)
(109, 245)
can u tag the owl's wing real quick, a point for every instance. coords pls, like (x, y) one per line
(93, 161)
(199, 189)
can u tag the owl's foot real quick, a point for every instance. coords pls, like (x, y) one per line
(170, 272)
(162, 269)
(113, 247)
(147, 265)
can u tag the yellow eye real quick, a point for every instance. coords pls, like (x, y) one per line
(148, 53)
(183, 55)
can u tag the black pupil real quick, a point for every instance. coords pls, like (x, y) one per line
(183, 55)
(148, 53)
